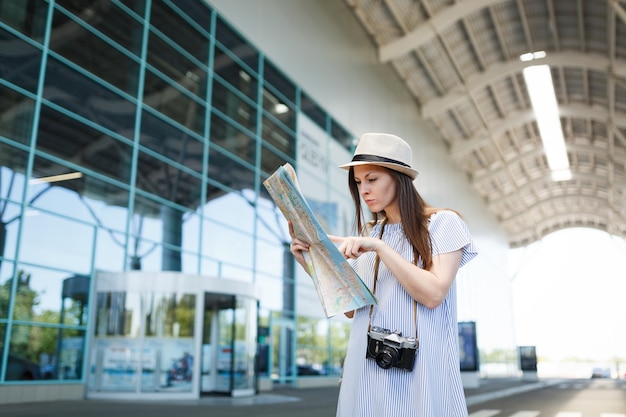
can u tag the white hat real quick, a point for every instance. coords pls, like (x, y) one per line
(385, 150)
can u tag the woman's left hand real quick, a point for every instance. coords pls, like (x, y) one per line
(354, 246)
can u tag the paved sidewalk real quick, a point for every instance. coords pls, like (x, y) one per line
(281, 402)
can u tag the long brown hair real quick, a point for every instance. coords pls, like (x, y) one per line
(414, 214)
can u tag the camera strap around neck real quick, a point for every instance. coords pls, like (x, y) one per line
(376, 268)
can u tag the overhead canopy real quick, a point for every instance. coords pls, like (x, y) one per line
(460, 59)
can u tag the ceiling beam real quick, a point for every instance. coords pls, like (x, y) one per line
(461, 148)
(497, 72)
(429, 29)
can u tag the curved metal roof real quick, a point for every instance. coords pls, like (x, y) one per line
(460, 61)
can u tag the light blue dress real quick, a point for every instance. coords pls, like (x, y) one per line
(433, 388)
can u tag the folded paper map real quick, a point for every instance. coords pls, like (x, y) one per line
(338, 286)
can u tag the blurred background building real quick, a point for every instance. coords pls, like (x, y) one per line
(141, 256)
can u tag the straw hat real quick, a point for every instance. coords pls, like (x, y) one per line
(384, 150)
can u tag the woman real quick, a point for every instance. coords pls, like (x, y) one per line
(408, 256)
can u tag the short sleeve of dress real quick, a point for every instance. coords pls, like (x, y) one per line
(448, 233)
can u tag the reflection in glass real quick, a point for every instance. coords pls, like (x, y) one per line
(6, 279)
(170, 227)
(169, 315)
(56, 241)
(181, 107)
(171, 142)
(118, 314)
(9, 226)
(87, 98)
(245, 340)
(18, 126)
(113, 22)
(235, 107)
(26, 17)
(71, 139)
(40, 296)
(237, 46)
(228, 171)
(95, 54)
(45, 353)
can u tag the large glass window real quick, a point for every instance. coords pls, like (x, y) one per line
(20, 61)
(237, 46)
(164, 233)
(169, 315)
(26, 17)
(6, 281)
(118, 26)
(167, 181)
(234, 106)
(172, 142)
(169, 23)
(87, 98)
(118, 314)
(18, 126)
(73, 140)
(95, 54)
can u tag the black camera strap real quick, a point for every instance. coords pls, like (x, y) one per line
(376, 268)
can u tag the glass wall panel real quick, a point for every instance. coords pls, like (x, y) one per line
(55, 241)
(70, 356)
(39, 295)
(30, 348)
(312, 342)
(270, 161)
(231, 247)
(85, 97)
(166, 20)
(6, 280)
(273, 258)
(228, 171)
(341, 135)
(26, 17)
(198, 11)
(110, 20)
(271, 291)
(235, 106)
(9, 227)
(171, 142)
(236, 44)
(313, 110)
(169, 315)
(20, 62)
(165, 225)
(275, 77)
(3, 329)
(339, 335)
(94, 54)
(234, 74)
(16, 116)
(234, 210)
(138, 6)
(69, 138)
(173, 102)
(118, 314)
(109, 254)
(164, 180)
(280, 138)
(245, 343)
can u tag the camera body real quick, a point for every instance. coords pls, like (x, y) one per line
(390, 349)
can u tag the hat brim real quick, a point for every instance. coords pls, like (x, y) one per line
(412, 173)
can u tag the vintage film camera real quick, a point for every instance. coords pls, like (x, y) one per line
(390, 349)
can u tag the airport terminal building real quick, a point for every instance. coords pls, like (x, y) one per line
(140, 254)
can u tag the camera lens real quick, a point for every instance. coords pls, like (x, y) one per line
(386, 358)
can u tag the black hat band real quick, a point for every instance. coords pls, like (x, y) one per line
(376, 158)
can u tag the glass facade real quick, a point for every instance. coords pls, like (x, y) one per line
(135, 136)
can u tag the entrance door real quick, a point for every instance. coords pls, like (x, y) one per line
(229, 345)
